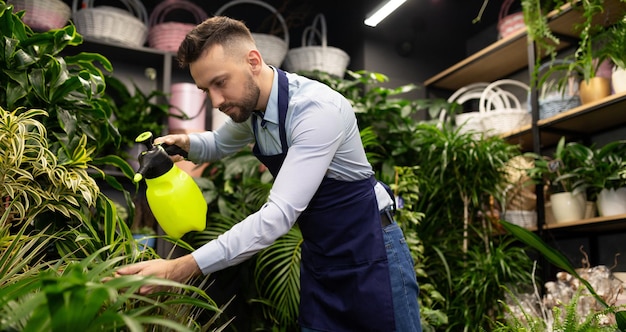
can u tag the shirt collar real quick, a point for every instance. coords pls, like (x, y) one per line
(271, 110)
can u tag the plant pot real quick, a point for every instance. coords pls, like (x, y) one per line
(590, 210)
(568, 207)
(188, 99)
(144, 240)
(612, 202)
(597, 88)
(618, 80)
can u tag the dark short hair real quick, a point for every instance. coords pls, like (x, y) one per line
(216, 30)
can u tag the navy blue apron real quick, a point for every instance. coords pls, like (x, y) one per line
(344, 275)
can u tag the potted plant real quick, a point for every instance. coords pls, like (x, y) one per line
(562, 176)
(586, 59)
(603, 178)
(613, 46)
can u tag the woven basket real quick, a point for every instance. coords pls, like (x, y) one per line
(554, 99)
(167, 36)
(112, 24)
(272, 48)
(522, 218)
(311, 57)
(509, 24)
(499, 120)
(43, 15)
(470, 121)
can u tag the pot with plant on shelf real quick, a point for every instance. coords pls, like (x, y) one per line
(587, 59)
(605, 180)
(613, 47)
(565, 184)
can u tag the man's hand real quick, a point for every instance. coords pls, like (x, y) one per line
(179, 270)
(181, 140)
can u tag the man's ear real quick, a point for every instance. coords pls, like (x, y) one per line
(255, 60)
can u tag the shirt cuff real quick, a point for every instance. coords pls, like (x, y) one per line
(210, 258)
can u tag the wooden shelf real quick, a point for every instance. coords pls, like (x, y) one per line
(596, 224)
(584, 120)
(509, 55)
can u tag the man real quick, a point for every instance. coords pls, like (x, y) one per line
(356, 271)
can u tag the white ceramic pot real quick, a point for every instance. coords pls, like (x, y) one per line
(568, 207)
(612, 202)
(618, 80)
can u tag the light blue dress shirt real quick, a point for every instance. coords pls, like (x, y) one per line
(324, 141)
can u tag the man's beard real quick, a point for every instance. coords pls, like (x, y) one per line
(247, 104)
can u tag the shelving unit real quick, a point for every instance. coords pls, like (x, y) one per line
(606, 114)
(515, 54)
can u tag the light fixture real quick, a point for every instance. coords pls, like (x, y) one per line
(383, 11)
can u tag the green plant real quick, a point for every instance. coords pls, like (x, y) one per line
(36, 74)
(586, 57)
(563, 171)
(613, 43)
(472, 260)
(33, 179)
(603, 170)
(136, 112)
(389, 116)
(53, 215)
(83, 295)
(559, 260)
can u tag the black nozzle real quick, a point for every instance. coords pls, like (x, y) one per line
(174, 149)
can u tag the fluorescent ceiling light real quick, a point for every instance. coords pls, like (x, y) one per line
(383, 11)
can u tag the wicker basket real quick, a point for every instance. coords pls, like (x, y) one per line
(522, 218)
(499, 120)
(43, 15)
(470, 121)
(554, 99)
(167, 36)
(112, 24)
(311, 57)
(272, 48)
(509, 24)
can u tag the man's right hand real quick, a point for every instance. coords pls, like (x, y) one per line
(180, 140)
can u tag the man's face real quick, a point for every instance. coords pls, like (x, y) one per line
(228, 81)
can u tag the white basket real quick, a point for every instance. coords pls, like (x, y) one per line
(471, 121)
(273, 49)
(523, 218)
(311, 57)
(499, 120)
(128, 27)
(167, 36)
(43, 15)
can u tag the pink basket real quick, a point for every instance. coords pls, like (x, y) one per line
(43, 15)
(167, 36)
(509, 24)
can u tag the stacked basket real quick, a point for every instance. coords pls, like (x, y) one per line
(511, 115)
(509, 24)
(311, 57)
(112, 24)
(471, 121)
(43, 15)
(272, 48)
(167, 36)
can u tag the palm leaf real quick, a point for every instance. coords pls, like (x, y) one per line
(277, 276)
